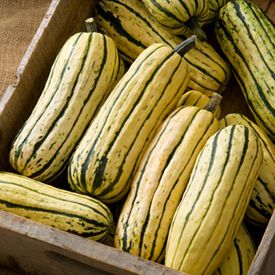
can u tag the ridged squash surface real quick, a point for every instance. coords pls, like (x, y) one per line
(83, 74)
(246, 36)
(214, 202)
(176, 15)
(160, 181)
(133, 28)
(65, 210)
(196, 98)
(262, 202)
(108, 154)
(239, 256)
(214, 7)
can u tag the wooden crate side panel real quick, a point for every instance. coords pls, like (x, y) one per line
(268, 6)
(53, 251)
(35, 248)
(264, 260)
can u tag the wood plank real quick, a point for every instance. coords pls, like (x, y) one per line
(34, 248)
(268, 6)
(264, 260)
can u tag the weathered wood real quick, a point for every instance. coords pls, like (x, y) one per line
(264, 260)
(268, 6)
(34, 248)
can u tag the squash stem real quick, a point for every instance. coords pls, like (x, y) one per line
(213, 103)
(91, 25)
(186, 45)
(195, 28)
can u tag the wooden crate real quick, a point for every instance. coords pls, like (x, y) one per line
(30, 247)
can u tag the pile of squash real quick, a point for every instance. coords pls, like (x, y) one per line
(130, 118)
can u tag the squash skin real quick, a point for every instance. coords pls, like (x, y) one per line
(196, 98)
(214, 202)
(83, 74)
(108, 154)
(262, 202)
(176, 16)
(214, 9)
(133, 28)
(160, 181)
(239, 256)
(65, 210)
(246, 36)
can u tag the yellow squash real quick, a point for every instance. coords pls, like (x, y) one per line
(108, 154)
(83, 74)
(65, 210)
(214, 202)
(160, 181)
(239, 256)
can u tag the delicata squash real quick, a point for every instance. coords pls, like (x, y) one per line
(108, 154)
(262, 202)
(133, 28)
(180, 17)
(246, 36)
(215, 200)
(161, 179)
(65, 210)
(239, 256)
(84, 72)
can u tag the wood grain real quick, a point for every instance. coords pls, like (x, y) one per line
(268, 6)
(33, 248)
(264, 260)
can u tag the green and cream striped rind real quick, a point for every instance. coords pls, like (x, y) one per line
(196, 98)
(247, 38)
(133, 28)
(240, 255)
(84, 72)
(64, 210)
(122, 68)
(160, 181)
(214, 7)
(107, 156)
(262, 203)
(214, 202)
(175, 15)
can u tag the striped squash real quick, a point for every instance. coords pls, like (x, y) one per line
(247, 38)
(65, 210)
(262, 203)
(215, 200)
(160, 181)
(214, 7)
(180, 17)
(84, 72)
(239, 256)
(107, 155)
(196, 98)
(133, 28)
